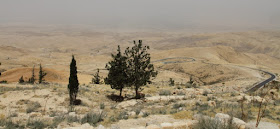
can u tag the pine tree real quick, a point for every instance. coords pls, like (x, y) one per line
(32, 79)
(73, 86)
(140, 69)
(21, 80)
(42, 74)
(117, 76)
(96, 78)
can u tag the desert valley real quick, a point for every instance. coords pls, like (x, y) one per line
(200, 77)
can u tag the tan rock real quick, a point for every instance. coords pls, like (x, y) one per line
(180, 125)
(166, 126)
(152, 127)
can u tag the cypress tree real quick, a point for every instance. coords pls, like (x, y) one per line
(73, 86)
(42, 74)
(117, 76)
(140, 69)
(32, 79)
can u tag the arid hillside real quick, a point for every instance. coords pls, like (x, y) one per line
(218, 57)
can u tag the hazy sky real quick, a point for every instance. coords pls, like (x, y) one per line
(147, 13)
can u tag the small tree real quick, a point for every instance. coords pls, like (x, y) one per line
(117, 76)
(73, 86)
(140, 70)
(42, 74)
(21, 80)
(96, 78)
(32, 79)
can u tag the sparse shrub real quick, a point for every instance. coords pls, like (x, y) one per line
(14, 114)
(181, 93)
(177, 106)
(11, 125)
(57, 121)
(146, 114)
(173, 111)
(162, 111)
(188, 85)
(102, 106)
(96, 78)
(205, 93)
(164, 92)
(71, 119)
(36, 124)
(112, 119)
(137, 111)
(208, 123)
(123, 115)
(4, 82)
(92, 118)
(171, 82)
(32, 106)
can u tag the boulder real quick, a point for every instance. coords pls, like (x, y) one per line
(72, 114)
(166, 126)
(86, 126)
(180, 125)
(225, 117)
(100, 127)
(152, 127)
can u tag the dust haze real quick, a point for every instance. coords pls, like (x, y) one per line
(146, 14)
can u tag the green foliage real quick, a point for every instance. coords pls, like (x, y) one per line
(140, 70)
(96, 78)
(21, 80)
(171, 82)
(73, 86)
(42, 74)
(117, 76)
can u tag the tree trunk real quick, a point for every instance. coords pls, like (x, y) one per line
(137, 93)
(121, 92)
